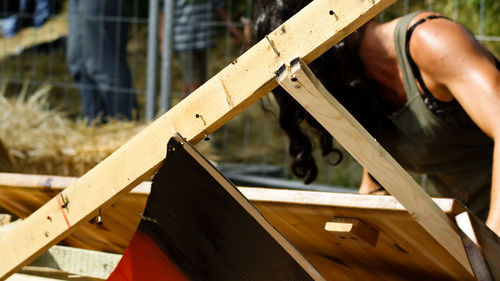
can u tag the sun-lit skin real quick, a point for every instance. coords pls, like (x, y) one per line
(453, 66)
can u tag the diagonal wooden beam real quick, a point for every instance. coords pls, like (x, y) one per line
(301, 83)
(307, 34)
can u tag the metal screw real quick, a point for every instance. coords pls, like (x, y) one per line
(99, 218)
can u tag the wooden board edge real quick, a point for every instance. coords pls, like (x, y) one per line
(300, 82)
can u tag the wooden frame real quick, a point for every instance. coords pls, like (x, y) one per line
(283, 207)
(299, 81)
(308, 34)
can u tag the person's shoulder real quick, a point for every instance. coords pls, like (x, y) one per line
(437, 33)
(438, 38)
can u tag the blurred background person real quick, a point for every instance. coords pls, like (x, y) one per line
(24, 13)
(97, 59)
(194, 35)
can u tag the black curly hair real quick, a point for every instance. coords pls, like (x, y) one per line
(339, 69)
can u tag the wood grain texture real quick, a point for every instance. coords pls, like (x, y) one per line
(313, 96)
(24, 194)
(76, 261)
(404, 251)
(307, 34)
(354, 229)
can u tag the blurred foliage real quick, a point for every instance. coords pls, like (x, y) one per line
(480, 17)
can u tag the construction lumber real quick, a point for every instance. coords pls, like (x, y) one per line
(61, 261)
(85, 263)
(27, 277)
(204, 229)
(22, 195)
(405, 248)
(480, 243)
(5, 219)
(300, 82)
(307, 34)
(4, 229)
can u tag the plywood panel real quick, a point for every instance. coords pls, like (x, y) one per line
(24, 194)
(300, 82)
(403, 251)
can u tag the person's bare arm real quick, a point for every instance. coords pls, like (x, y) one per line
(454, 65)
(369, 186)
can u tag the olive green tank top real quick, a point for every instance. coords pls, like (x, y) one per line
(454, 153)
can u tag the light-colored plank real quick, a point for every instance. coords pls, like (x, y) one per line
(70, 261)
(316, 99)
(78, 261)
(404, 250)
(344, 200)
(307, 34)
(49, 182)
(5, 219)
(26, 183)
(4, 229)
(27, 277)
(23, 194)
(485, 245)
(354, 229)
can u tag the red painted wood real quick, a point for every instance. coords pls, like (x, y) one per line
(144, 260)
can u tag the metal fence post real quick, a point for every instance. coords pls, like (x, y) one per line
(166, 62)
(152, 59)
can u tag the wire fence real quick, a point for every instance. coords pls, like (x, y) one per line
(252, 142)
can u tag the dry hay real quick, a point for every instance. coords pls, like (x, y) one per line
(44, 141)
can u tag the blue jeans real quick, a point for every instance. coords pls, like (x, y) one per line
(97, 58)
(12, 24)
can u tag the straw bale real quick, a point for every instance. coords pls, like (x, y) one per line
(41, 140)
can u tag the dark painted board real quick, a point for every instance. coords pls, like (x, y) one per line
(210, 229)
